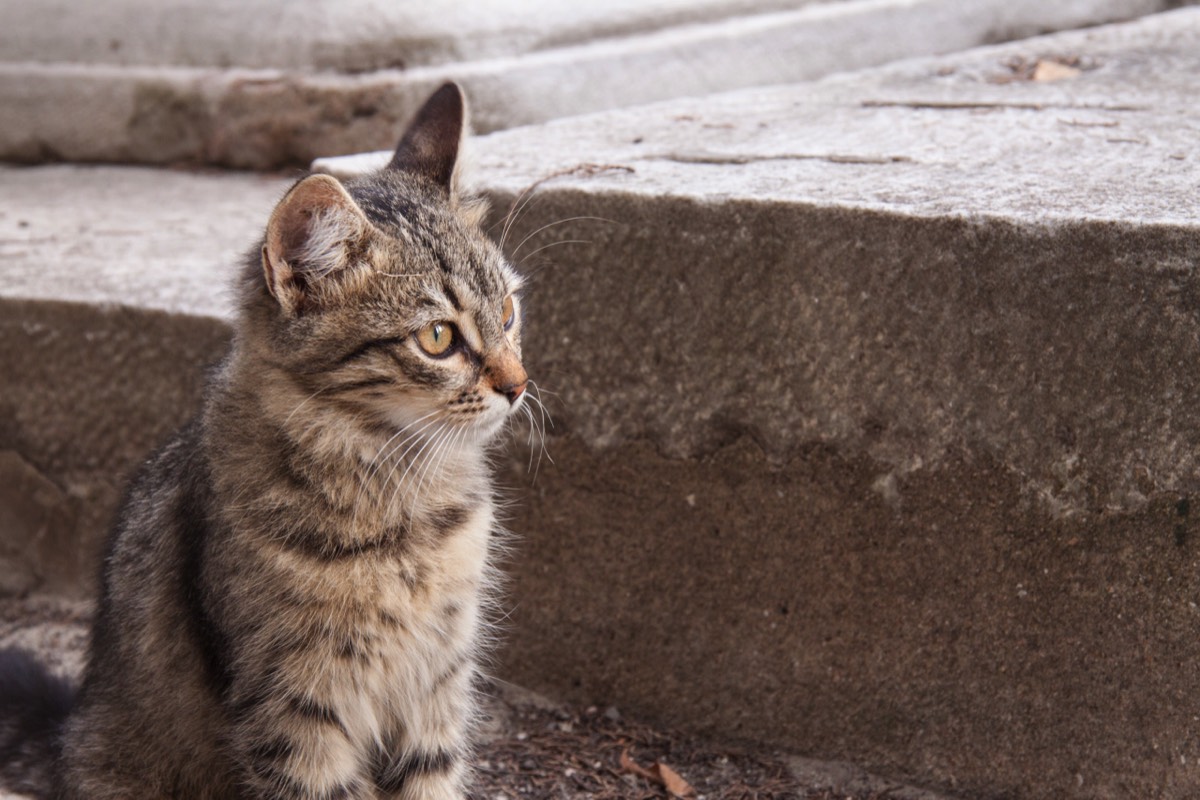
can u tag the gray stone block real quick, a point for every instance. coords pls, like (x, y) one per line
(875, 436)
(800, 211)
(267, 84)
(37, 531)
(114, 300)
(348, 36)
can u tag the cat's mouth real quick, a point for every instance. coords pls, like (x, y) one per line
(472, 417)
(490, 414)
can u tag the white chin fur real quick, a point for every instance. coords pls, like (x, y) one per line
(490, 422)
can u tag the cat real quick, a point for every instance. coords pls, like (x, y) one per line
(291, 597)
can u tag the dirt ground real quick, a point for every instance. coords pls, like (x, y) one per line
(530, 747)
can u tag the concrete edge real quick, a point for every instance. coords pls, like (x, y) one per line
(262, 119)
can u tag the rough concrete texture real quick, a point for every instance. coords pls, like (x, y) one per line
(145, 238)
(39, 531)
(834, 195)
(876, 435)
(335, 35)
(186, 84)
(115, 298)
(873, 429)
(89, 391)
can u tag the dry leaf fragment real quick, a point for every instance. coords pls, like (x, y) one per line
(675, 784)
(1049, 70)
(661, 774)
(629, 765)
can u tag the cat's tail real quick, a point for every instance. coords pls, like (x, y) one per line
(34, 704)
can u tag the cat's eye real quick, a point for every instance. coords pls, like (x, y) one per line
(508, 315)
(436, 338)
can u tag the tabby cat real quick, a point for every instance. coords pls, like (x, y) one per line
(290, 603)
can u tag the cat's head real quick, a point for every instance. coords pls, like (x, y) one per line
(382, 296)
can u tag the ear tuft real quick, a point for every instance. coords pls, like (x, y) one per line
(429, 148)
(310, 236)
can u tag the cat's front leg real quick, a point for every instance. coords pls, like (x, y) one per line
(430, 760)
(291, 746)
(426, 774)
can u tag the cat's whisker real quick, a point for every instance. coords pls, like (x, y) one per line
(554, 244)
(415, 461)
(549, 225)
(429, 463)
(377, 462)
(410, 437)
(432, 462)
(543, 452)
(570, 377)
(529, 442)
(400, 484)
(541, 390)
(303, 403)
(412, 440)
(419, 466)
(519, 205)
(456, 442)
(458, 437)
(535, 396)
(507, 615)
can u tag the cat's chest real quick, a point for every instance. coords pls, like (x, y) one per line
(415, 619)
(422, 600)
(445, 561)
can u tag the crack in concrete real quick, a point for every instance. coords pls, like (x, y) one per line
(938, 105)
(727, 158)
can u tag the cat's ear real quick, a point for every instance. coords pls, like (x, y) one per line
(430, 146)
(310, 236)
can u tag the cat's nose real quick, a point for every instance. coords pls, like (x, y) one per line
(507, 376)
(513, 390)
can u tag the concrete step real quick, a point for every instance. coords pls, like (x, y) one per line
(267, 84)
(874, 437)
(56, 631)
(115, 296)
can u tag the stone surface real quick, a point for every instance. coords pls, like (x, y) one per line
(521, 737)
(874, 433)
(136, 82)
(38, 542)
(115, 299)
(141, 238)
(89, 390)
(840, 777)
(800, 212)
(335, 35)
(874, 424)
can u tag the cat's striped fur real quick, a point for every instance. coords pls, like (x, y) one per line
(291, 597)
